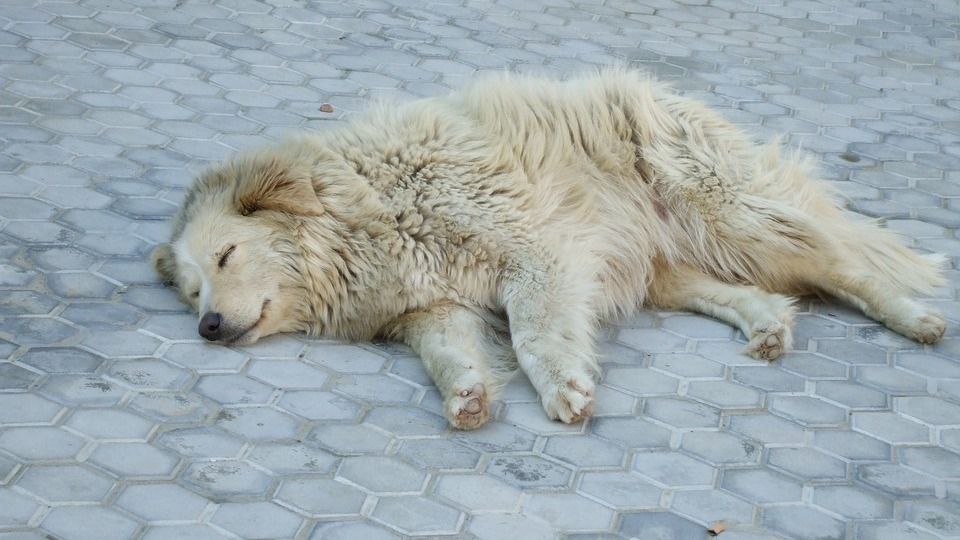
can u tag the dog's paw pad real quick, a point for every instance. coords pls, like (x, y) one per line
(769, 342)
(469, 408)
(572, 402)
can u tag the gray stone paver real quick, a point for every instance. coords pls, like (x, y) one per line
(116, 421)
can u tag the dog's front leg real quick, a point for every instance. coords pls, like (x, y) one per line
(552, 324)
(454, 344)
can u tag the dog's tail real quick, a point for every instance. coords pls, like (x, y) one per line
(882, 251)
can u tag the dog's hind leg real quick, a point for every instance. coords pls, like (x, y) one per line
(886, 303)
(764, 318)
(552, 324)
(461, 354)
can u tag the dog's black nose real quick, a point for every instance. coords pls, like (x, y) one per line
(209, 327)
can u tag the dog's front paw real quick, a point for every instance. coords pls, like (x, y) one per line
(572, 401)
(468, 408)
(769, 341)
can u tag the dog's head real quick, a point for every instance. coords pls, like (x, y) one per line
(233, 254)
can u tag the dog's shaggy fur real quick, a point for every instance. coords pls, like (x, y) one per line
(506, 220)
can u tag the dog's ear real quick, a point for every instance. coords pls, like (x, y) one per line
(165, 263)
(270, 184)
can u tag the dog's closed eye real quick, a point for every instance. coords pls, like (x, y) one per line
(225, 256)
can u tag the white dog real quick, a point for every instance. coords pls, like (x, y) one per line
(506, 220)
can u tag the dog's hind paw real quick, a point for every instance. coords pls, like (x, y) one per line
(572, 401)
(927, 328)
(916, 321)
(469, 408)
(769, 341)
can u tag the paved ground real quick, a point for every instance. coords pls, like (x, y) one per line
(116, 421)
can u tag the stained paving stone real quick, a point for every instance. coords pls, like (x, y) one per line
(226, 480)
(110, 110)
(529, 471)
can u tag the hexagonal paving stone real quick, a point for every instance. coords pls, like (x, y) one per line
(584, 451)
(257, 520)
(348, 530)
(61, 360)
(631, 432)
(203, 358)
(258, 423)
(808, 411)
(322, 497)
(287, 374)
(202, 442)
(620, 490)
(719, 448)
(418, 516)
(106, 424)
(293, 458)
(16, 377)
(233, 389)
(803, 522)
(134, 460)
(172, 407)
(382, 475)
(929, 410)
(761, 486)
(890, 427)
(40, 443)
(406, 421)
(346, 358)
(30, 331)
(318, 405)
(681, 414)
(853, 502)
(479, 493)
(16, 510)
(55, 484)
(349, 440)
(88, 523)
(21, 408)
(226, 480)
(569, 511)
(529, 471)
(441, 454)
(162, 502)
(939, 517)
(710, 506)
(374, 388)
(147, 374)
